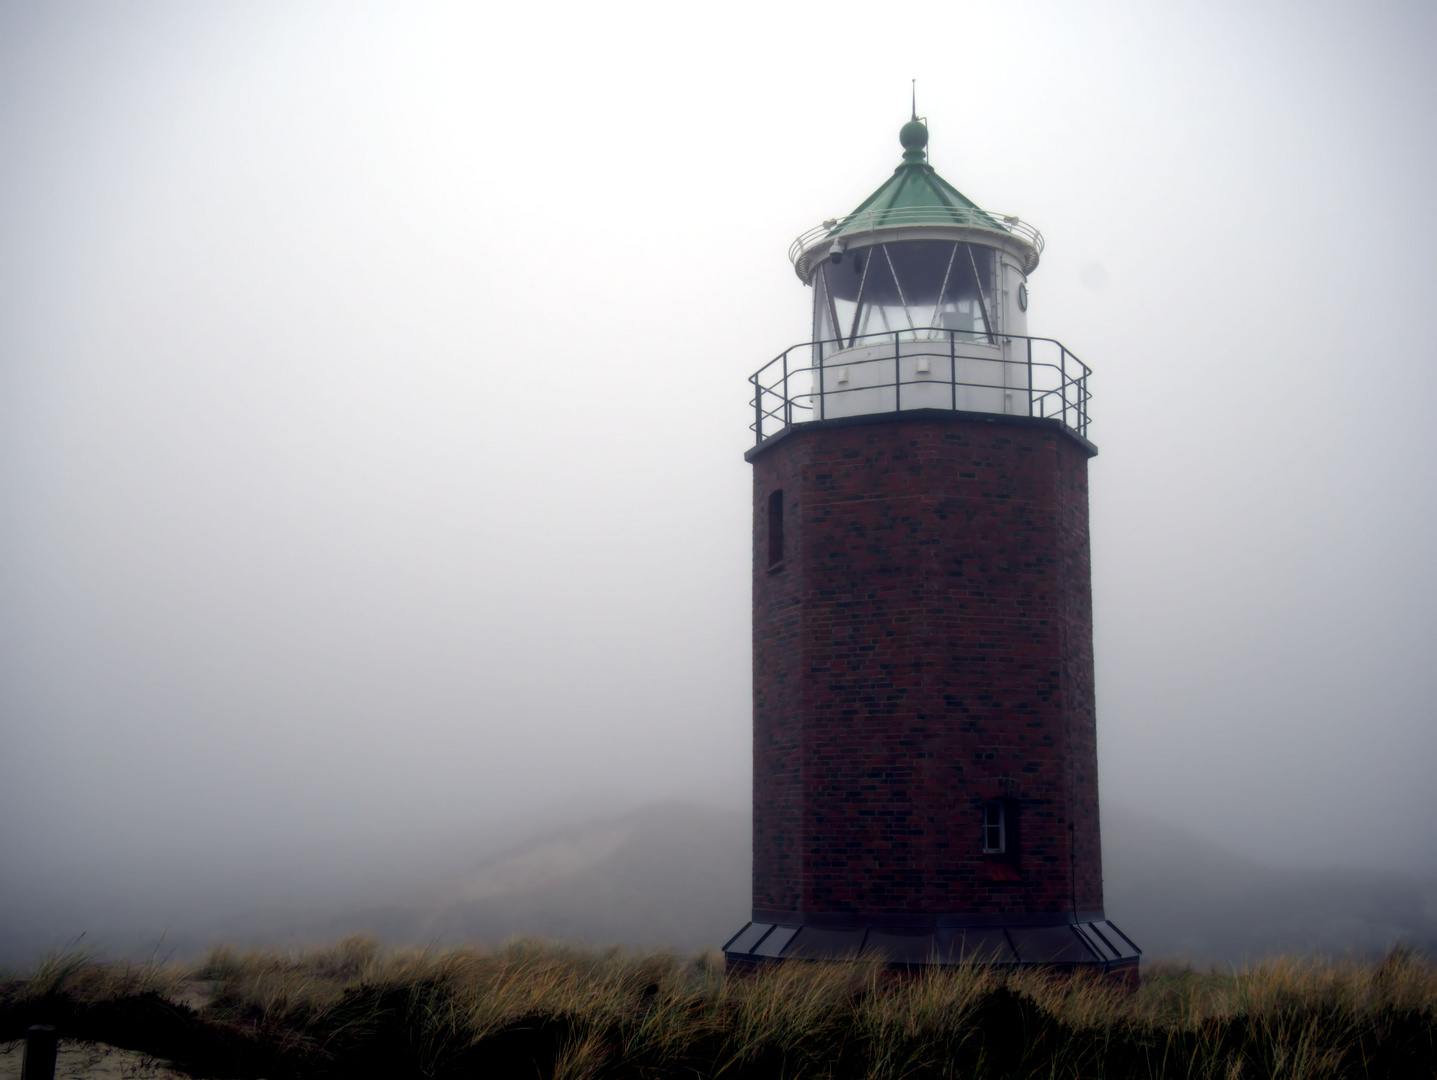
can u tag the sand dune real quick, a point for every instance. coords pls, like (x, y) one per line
(677, 875)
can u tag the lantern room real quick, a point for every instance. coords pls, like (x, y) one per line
(920, 301)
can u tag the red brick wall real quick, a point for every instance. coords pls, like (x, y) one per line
(925, 645)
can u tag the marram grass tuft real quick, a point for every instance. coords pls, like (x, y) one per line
(535, 1009)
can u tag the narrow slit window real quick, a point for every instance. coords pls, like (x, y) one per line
(995, 831)
(775, 527)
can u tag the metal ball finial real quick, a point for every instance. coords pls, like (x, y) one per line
(914, 137)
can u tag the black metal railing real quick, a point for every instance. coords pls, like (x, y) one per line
(1038, 377)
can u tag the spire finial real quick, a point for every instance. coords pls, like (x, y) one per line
(914, 134)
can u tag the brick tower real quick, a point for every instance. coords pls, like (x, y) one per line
(925, 783)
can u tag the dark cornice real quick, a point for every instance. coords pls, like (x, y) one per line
(927, 416)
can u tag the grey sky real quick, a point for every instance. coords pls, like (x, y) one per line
(372, 402)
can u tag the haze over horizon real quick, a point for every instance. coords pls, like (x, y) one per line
(373, 399)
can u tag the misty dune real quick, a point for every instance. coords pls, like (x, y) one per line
(675, 875)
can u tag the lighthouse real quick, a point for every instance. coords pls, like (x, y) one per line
(925, 786)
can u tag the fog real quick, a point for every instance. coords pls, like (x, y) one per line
(373, 400)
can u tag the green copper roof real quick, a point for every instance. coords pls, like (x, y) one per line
(915, 195)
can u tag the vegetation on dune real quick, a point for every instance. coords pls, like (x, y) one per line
(531, 1009)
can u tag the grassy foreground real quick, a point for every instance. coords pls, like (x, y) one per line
(539, 1010)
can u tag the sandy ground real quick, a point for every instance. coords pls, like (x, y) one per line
(90, 1061)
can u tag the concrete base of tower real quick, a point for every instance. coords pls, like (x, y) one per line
(1087, 941)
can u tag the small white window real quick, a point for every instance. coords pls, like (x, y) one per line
(995, 838)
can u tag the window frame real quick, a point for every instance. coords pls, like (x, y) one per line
(995, 830)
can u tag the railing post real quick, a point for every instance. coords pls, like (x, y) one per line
(897, 374)
(757, 408)
(822, 380)
(953, 368)
(1063, 375)
(787, 407)
(1030, 376)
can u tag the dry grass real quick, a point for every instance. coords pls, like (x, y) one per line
(534, 1009)
(77, 974)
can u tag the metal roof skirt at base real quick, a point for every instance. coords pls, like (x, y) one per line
(1092, 944)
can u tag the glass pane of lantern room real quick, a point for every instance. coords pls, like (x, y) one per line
(843, 282)
(922, 271)
(866, 297)
(824, 327)
(965, 302)
(883, 303)
(918, 289)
